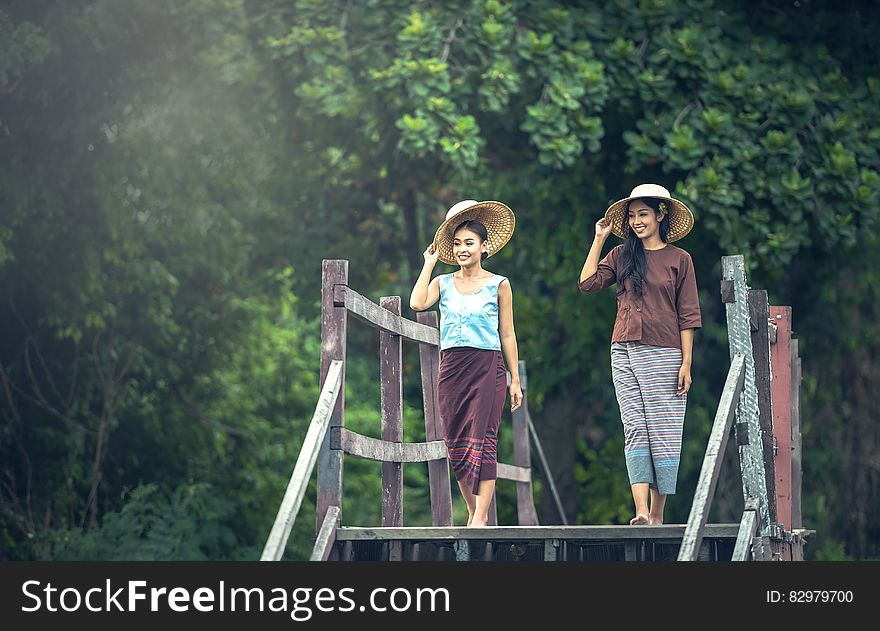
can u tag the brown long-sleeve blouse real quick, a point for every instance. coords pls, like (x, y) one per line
(668, 305)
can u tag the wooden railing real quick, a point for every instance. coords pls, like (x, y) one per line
(693, 533)
(328, 440)
(305, 464)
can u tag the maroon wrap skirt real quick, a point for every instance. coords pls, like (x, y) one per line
(471, 391)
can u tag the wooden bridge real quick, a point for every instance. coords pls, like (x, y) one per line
(761, 391)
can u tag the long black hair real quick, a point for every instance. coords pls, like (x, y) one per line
(478, 229)
(632, 259)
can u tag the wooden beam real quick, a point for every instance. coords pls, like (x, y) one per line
(305, 464)
(751, 455)
(664, 533)
(327, 535)
(334, 322)
(780, 393)
(391, 397)
(760, 311)
(796, 471)
(708, 480)
(747, 527)
(526, 513)
(438, 470)
(372, 314)
(516, 474)
(370, 448)
(462, 550)
(551, 549)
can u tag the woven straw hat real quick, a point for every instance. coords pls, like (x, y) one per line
(497, 217)
(681, 219)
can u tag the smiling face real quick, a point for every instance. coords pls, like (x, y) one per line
(643, 220)
(467, 248)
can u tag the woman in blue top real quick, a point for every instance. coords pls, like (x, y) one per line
(476, 325)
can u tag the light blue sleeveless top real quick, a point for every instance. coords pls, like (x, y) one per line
(469, 319)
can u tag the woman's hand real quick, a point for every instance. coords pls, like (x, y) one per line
(432, 253)
(684, 379)
(603, 229)
(515, 397)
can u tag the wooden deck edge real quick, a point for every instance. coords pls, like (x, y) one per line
(598, 533)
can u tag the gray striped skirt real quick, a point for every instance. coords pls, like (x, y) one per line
(646, 380)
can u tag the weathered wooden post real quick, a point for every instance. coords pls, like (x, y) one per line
(780, 362)
(796, 472)
(334, 318)
(438, 470)
(734, 293)
(391, 379)
(525, 504)
(759, 314)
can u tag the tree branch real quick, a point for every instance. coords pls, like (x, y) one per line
(447, 43)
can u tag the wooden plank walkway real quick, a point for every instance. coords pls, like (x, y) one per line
(530, 543)
(593, 533)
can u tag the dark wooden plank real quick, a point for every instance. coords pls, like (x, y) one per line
(327, 535)
(305, 464)
(728, 293)
(551, 549)
(796, 471)
(395, 551)
(526, 513)
(438, 470)
(748, 425)
(780, 393)
(747, 527)
(631, 550)
(717, 444)
(347, 553)
(762, 549)
(333, 336)
(760, 311)
(516, 474)
(370, 448)
(391, 404)
(665, 532)
(373, 315)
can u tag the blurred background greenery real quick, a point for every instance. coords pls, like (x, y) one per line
(173, 173)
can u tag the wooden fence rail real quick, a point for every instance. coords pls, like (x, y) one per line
(305, 464)
(747, 527)
(693, 534)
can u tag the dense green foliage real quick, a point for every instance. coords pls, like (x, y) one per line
(173, 174)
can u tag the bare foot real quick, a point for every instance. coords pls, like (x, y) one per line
(655, 521)
(639, 520)
(478, 524)
(470, 519)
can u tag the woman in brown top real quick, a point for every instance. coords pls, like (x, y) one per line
(652, 343)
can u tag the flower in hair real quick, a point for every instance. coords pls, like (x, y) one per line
(662, 207)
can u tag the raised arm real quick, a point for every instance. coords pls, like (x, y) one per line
(597, 274)
(426, 291)
(592, 262)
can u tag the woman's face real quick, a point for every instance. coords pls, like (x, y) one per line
(642, 219)
(467, 248)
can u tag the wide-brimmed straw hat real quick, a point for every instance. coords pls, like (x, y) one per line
(497, 217)
(681, 219)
